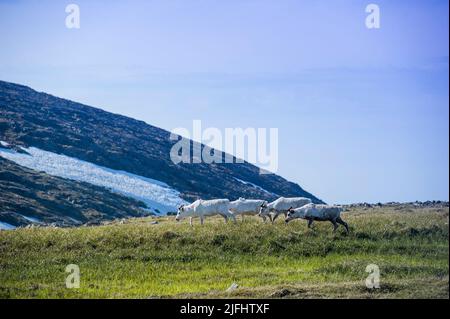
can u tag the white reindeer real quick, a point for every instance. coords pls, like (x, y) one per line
(313, 212)
(281, 206)
(244, 206)
(203, 208)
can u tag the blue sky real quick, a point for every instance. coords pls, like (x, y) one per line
(362, 113)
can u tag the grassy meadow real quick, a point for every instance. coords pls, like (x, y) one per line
(138, 259)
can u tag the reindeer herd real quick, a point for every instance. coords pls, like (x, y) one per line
(292, 208)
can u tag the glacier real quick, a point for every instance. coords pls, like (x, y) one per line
(159, 197)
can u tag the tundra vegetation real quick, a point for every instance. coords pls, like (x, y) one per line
(139, 258)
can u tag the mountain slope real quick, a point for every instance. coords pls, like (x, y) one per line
(158, 197)
(29, 197)
(32, 119)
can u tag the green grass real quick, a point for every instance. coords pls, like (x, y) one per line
(169, 259)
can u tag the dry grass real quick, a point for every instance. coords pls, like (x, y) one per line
(143, 260)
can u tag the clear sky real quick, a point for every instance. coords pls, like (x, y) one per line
(363, 114)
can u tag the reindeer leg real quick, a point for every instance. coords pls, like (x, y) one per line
(275, 217)
(335, 225)
(340, 221)
(225, 217)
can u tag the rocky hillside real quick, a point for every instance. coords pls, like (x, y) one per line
(30, 197)
(33, 119)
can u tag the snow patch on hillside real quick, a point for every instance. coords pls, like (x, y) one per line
(31, 219)
(6, 226)
(157, 195)
(256, 186)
